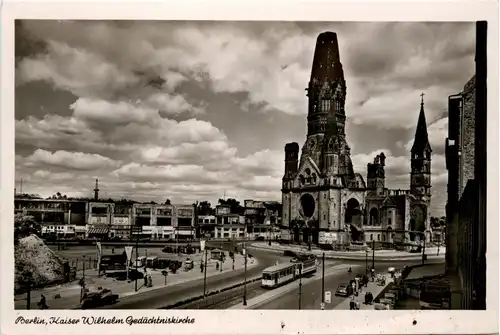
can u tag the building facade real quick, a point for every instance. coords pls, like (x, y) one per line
(466, 203)
(324, 199)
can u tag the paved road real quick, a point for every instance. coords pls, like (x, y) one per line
(311, 292)
(163, 297)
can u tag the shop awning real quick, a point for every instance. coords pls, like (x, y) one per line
(98, 231)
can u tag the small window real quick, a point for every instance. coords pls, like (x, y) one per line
(389, 221)
(324, 216)
(371, 237)
(378, 237)
(324, 196)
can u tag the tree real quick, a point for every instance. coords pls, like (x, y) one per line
(205, 208)
(236, 208)
(167, 202)
(24, 225)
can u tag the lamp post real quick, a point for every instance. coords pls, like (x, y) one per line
(205, 272)
(300, 287)
(323, 281)
(373, 255)
(423, 249)
(245, 281)
(366, 261)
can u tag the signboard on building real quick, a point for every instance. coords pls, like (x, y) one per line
(99, 220)
(327, 237)
(223, 210)
(121, 221)
(185, 212)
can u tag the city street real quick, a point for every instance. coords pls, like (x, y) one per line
(311, 292)
(164, 297)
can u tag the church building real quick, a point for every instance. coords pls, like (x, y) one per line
(324, 200)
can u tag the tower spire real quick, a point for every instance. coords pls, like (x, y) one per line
(421, 141)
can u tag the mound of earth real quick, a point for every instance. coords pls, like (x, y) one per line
(35, 262)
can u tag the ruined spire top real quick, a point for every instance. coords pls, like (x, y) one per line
(326, 63)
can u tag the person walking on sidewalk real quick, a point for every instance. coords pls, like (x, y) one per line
(352, 304)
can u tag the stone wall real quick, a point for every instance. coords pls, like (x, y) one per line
(467, 133)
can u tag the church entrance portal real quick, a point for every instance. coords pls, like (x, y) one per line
(353, 216)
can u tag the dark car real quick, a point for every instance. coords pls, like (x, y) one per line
(98, 299)
(342, 290)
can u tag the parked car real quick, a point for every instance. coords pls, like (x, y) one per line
(342, 290)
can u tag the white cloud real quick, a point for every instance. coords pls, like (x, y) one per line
(70, 160)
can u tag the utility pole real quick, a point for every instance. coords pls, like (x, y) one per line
(245, 282)
(323, 281)
(205, 275)
(423, 250)
(83, 266)
(366, 262)
(300, 286)
(136, 256)
(373, 255)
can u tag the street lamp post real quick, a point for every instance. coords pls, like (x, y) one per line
(366, 262)
(245, 281)
(373, 255)
(205, 273)
(423, 250)
(300, 287)
(323, 281)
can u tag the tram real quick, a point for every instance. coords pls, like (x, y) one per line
(284, 273)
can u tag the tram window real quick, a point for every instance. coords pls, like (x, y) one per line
(266, 276)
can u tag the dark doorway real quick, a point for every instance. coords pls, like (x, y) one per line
(353, 218)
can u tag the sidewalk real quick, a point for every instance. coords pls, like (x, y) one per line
(273, 294)
(70, 292)
(380, 255)
(370, 287)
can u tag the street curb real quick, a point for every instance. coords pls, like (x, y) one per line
(360, 257)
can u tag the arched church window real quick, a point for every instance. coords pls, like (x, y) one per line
(302, 179)
(389, 221)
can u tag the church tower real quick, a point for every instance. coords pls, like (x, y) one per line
(420, 184)
(326, 144)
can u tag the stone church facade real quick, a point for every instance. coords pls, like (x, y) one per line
(324, 200)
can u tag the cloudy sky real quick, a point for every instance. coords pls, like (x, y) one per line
(190, 111)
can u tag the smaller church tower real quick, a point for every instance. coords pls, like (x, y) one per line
(375, 178)
(291, 160)
(420, 184)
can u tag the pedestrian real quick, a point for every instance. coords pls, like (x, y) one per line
(357, 305)
(352, 304)
(43, 302)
